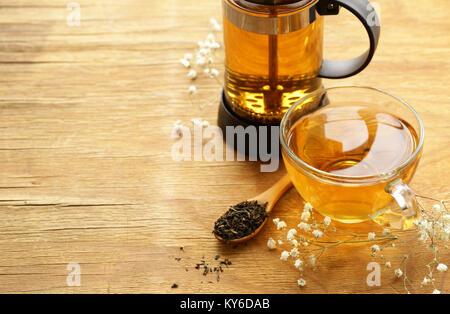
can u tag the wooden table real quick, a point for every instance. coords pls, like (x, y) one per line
(86, 171)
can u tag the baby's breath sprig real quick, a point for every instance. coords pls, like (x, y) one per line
(314, 238)
(433, 230)
(202, 59)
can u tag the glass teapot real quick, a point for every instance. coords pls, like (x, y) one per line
(274, 52)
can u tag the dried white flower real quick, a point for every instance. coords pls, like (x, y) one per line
(192, 90)
(294, 243)
(215, 25)
(375, 249)
(209, 43)
(295, 253)
(317, 234)
(210, 38)
(280, 242)
(441, 267)
(276, 220)
(446, 218)
(284, 256)
(426, 281)
(436, 291)
(327, 221)
(201, 61)
(281, 225)
(305, 216)
(185, 62)
(388, 264)
(192, 74)
(271, 244)
(445, 234)
(291, 234)
(205, 123)
(304, 226)
(429, 228)
(214, 73)
(204, 52)
(214, 45)
(371, 236)
(307, 207)
(436, 208)
(301, 282)
(188, 56)
(298, 263)
(398, 273)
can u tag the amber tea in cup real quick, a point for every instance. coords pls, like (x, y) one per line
(356, 153)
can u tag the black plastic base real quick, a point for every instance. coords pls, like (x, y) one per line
(260, 137)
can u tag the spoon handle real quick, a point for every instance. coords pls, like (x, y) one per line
(273, 194)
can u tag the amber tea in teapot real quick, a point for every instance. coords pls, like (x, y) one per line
(274, 51)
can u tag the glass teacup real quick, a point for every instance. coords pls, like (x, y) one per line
(351, 150)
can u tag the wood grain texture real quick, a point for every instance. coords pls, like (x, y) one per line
(86, 173)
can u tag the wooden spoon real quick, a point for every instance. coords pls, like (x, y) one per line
(271, 197)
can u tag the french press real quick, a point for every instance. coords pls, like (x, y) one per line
(274, 54)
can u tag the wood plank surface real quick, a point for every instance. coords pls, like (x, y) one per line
(86, 172)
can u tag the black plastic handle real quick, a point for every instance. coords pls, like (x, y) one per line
(364, 11)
